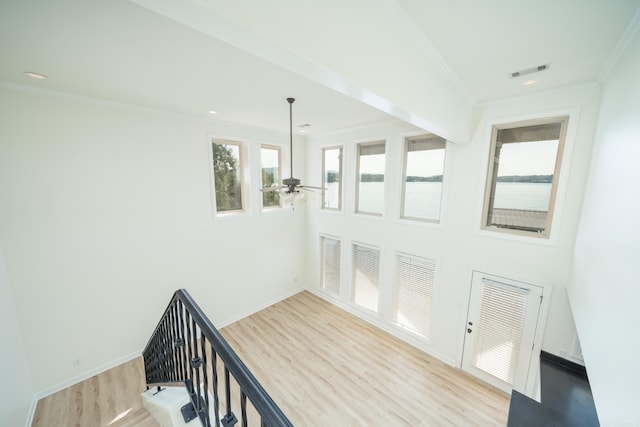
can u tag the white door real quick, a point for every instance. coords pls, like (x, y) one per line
(501, 327)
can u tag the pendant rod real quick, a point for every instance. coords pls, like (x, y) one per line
(290, 101)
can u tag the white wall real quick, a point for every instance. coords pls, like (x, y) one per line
(458, 245)
(106, 210)
(605, 291)
(16, 390)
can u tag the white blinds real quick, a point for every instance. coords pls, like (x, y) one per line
(366, 274)
(499, 329)
(330, 264)
(413, 292)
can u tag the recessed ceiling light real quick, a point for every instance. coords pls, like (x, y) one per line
(529, 82)
(213, 112)
(34, 75)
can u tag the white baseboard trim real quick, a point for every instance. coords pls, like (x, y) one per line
(406, 337)
(75, 380)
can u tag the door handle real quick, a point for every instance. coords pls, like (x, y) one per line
(469, 330)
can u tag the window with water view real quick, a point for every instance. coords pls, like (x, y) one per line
(523, 175)
(370, 190)
(423, 172)
(332, 178)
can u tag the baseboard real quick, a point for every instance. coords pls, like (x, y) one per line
(414, 342)
(32, 411)
(565, 363)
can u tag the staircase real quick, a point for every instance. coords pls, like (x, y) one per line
(565, 397)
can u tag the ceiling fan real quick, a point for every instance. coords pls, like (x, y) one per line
(291, 185)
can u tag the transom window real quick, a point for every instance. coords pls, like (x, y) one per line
(271, 175)
(227, 175)
(423, 176)
(523, 176)
(370, 177)
(332, 178)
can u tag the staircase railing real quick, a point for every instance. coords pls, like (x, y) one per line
(186, 349)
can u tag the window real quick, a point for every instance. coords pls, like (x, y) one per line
(366, 276)
(422, 183)
(330, 264)
(523, 177)
(370, 170)
(227, 175)
(271, 175)
(332, 178)
(413, 292)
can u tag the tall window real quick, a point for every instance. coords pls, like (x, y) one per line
(271, 175)
(422, 183)
(332, 178)
(366, 276)
(227, 175)
(330, 264)
(523, 176)
(370, 170)
(413, 292)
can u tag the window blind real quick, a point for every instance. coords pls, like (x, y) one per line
(413, 292)
(330, 264)
(366, 275)
(499, 329)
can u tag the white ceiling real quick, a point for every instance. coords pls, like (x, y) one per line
(117, 50)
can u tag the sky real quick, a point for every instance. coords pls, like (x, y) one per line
(528, 158)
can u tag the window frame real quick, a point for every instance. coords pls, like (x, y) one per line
(407, 140)
(431, 263)
(353, 289)
(321, 240)
(492, 171)
(359, 146)
(241, 172)
(340, 177)
(280, 176)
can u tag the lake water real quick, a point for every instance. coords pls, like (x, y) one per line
(422, 199)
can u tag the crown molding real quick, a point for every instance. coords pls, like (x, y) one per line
(621, 48)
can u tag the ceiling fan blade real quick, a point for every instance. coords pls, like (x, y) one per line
(272, 188)
(311, 187)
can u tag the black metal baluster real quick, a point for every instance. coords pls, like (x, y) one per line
(196, 364)
(243, 408)
(229, 419)
(214, 374)
(205, 378)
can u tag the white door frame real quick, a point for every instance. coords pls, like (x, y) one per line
(531, 388)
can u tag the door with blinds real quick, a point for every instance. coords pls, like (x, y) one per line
(500, 330)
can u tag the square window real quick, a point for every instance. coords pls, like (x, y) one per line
(523, 177)
(423, 176)
(227, 176)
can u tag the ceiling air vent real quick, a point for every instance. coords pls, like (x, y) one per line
(529, 71)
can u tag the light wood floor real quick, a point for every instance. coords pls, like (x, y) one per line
(322, 366)
(110, 399)
(325, 367)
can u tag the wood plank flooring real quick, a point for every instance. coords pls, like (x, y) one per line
(322, 366)
(325, 367)
(110, 399)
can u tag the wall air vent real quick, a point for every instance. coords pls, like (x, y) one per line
(529, 71)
